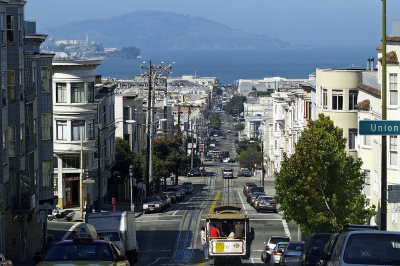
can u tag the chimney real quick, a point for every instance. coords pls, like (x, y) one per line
(368, 63)
(372, 64)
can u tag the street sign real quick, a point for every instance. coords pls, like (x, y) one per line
(46, 207)
(88, 181)
(41, 216)
(379, 127)
(394, 193)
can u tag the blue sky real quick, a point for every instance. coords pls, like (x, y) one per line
(313, 22)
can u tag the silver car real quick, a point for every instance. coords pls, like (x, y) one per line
(265, 203)
(291, 255)
(277, 253)
(153, 204)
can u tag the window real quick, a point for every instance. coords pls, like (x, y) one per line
(46, 126)
(11, 141)
(3, 88)
(61, 129)
(10, 29)
(367, 183)
(78, 128)
(394, 215)
(127, 113)
(353, 94)
(393, 150)
(5, 155)
(325, 99)
(11, 85)
(21, 84)
(45, 79)
(77, 92)
(393, 92)
(352, 138)
(367, 140)
(46, 171)
(20, 29)
(90, 92)
(91, 130)
(3, 28)
(61, 92)
(21, 138)
(71, 162)
(337, 100)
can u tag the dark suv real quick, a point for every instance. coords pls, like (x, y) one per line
(252, 190)
(313, 246)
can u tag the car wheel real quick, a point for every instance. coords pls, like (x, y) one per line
(275, 211)
(262, 257)
(258, 209)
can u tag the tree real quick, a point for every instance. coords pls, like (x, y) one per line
(250, 157)
(235, 105)
(167, 157)
(125, 157)
(239, 126)
(216, 91)
(319, 186)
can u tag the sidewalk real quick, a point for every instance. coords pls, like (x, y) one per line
(106, 207)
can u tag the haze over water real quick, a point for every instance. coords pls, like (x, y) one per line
(231, 65)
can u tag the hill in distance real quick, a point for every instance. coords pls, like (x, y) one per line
(162, 30)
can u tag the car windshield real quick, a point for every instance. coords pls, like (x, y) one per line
(112, 236)
(270, 199)
(173, 189)
(368, 249)
(275, 240)
(149, 199)
(79, 251)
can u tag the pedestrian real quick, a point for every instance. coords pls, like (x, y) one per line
(249, 241)
(204, 242)
(239, 230)
(214, 231)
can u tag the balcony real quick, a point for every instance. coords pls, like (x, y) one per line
(24, 204)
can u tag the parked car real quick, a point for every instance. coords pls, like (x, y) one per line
(313, 246)
(194, 172)
(277, 253)
(252, 190)
(254, 196)
(232, 160)
(171, 195)
(166, 199)
(188, 187)
(365, 247)
(266, 203)
(247, 186)
(270, 244)
(177, 191)
(244, 172)
(291, 255)
(225, 160)
(153, 204)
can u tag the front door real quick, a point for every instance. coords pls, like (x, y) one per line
(68, 193)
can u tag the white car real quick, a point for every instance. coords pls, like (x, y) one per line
(225, 160)
(277, 253)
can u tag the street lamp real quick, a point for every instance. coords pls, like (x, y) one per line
(98, 202)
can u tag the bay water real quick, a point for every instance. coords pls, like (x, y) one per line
(232, 65)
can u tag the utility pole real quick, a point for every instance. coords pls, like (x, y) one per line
(148, 139)
(262, 162)
(384, 139)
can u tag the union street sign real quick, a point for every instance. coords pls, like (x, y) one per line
(379, 127)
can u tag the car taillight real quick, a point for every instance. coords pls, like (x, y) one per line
(273, 203)
(307, 259)
(267, 248)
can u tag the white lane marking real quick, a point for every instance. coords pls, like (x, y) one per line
(70, 230)
(285, 226)
(178, 210)
(241, 199)
(154, 262)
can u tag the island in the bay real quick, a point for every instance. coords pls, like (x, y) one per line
(83, 49)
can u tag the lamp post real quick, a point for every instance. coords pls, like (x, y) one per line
(98, 202)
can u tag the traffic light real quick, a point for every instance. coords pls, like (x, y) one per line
(131, 170)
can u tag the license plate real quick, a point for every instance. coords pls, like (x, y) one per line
(151, 209)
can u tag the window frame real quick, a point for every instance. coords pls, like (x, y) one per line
(11, 85)
(61, 92)
(46, 125)
(78, 92)
(353, 96)
(46, 173)
(393, 88)
(62, 127)
(10, 28)
(353, 133)
(80, 125)
(11, 139)
(336, 96)
(393, 151)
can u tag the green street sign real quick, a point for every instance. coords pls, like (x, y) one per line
(379, 127)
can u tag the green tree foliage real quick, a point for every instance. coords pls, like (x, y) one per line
(235, 105)
(319, 186)
(215, 121)
(234, 88)
(124, 158)
(239, 126)
(216, 91)
(167, 157)
(249, 157)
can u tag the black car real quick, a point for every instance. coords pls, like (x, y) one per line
(252, 190)
(188, 188)
(194, 172)
(313, 246)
